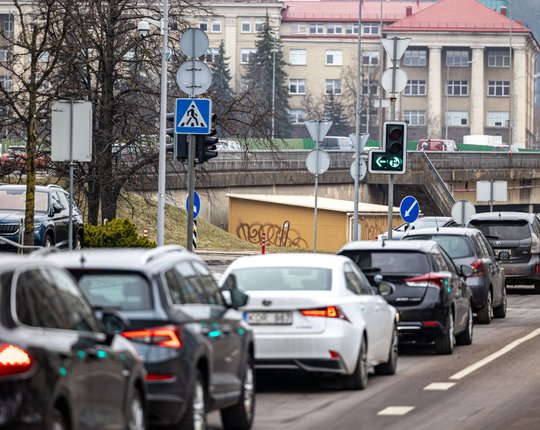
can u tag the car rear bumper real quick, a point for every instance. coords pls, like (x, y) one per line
(164, 409)
(523, 273)
(421, 325)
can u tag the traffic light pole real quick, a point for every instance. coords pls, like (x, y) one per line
(191, 190)
(393, 97)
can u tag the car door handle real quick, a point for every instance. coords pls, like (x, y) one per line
(226, 329)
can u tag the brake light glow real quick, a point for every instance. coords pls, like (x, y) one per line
(162, 377)
(13, 360)
(430, 324)
(167, 336)
(327, 312)
(479, 268)
(430, 279)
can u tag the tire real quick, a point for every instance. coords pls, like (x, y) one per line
(445, 344)
(195, 416)
(537, 288)
(56, 421)
(78, 242)
(485, 314)
(390, 366)
(466, 336)
(500, 311)
(359, 378)
(136, 418)
(48, 242)
(240, 416)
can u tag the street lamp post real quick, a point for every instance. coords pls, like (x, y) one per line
(446, 103)
(357, 125)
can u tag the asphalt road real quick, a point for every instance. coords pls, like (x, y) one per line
(492, 384)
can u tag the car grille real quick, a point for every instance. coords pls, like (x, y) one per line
(9, 228)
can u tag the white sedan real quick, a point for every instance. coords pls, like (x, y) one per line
(317, 313)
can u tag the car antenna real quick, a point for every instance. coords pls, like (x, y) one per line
(437, 224)
(83, 260)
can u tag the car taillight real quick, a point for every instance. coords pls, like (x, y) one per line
(167, 336)
(478, 266)
(327, 312)
(535, 244)
(428, 280)
(13, 360)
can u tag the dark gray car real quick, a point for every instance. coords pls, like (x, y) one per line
(469, 246)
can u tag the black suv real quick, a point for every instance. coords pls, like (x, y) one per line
(518, 234)
(51, 216)
(197, 350)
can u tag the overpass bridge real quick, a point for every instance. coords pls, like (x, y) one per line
(436, 179)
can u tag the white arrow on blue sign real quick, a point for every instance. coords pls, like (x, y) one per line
(193, 116)
(196, 204)
(409, 209)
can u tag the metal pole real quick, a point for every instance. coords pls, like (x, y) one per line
(510, 90)
(393, 117)
(191, 189)
(163, 130)
(273, 87)
(357, 124)
(446, 102)
(316, 187)
(491, 184)
(381, 71)
(71, 167)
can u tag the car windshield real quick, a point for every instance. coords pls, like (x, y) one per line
(427, 223)
(283, 279)
(455, 246)
(390, 262)
(15, 200)
(123, 291)
(503, 230)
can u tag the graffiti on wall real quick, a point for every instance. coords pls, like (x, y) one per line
(275, 235)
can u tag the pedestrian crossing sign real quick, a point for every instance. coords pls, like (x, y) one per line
(193, 116)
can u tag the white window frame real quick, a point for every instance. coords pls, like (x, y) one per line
(457, 118)
(297, 116)
(457, 88)
(4, 54)
(415, 87)
(244, 52)
(351, 29)
(500, 59)
(415, 58)
(334, 29)
(316, 28)
(415, 118)
(211, 54)
(371, 28)
(372, 89)
(457, 58)
(6, 83)
(203, 25)
(332, 86)
(8, 25)
(495, 86)
(299, 86)
(299, 29)
(336, 57)
(247, 24)
(298, 57)
(216, 26)
(370, 58)
(259, 25)
(497, 119)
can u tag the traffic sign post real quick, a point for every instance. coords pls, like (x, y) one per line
(196, 204)
(409, 209)
(193, 116)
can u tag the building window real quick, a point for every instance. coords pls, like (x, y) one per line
(203, 26)
(497, 119)
(216, 26)
(316, 28)
(457, 58)
(351, 29)
(297, 116)
(298, 29)
(454, 118)
(370, 28)
(211, 55)
(5, 82)
(415, 58)
(334, 58)
(245, 27)
(370, 58)
(297, 86)
(498, 88)
(415, 87)
(245, 54)
(44, 57)
(334, 29)
(3, 54)
(498, 59)
(457, 88)
(414, 117)
(298, 57)
(259, 26)
(332, 86)
(370, 88)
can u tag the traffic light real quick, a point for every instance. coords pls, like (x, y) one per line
(392, 159)
(180, 145)
(206, 145)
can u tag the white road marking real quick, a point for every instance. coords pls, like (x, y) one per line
(439, 386)
(396, 410)
(494, 356)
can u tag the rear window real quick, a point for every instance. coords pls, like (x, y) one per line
(503, 230)
(283, 279)
(455, 246)
(390, 262)
(124, 291)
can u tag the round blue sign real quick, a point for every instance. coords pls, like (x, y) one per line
(409, 209)
(196, 204)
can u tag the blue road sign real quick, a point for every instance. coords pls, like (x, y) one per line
(196, 204)
(193, 116)
(409, 209)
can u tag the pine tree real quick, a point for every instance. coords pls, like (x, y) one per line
(220, 92)
(334, 111)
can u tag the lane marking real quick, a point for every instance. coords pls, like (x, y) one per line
(494, 356)
(439, 386)
(396, 410)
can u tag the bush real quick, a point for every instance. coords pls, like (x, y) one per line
(117, 233)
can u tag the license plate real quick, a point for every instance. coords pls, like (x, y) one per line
(504, 250)
(269, 318)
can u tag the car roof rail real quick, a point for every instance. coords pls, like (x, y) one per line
(159, 251)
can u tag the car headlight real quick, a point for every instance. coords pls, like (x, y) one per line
(37, 225)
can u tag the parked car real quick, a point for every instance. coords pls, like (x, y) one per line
(422, 222)
(197, 350)
(431, 296)
(60, 368)
(469, 246)
(316, 313)
(337, 143)
(50, 220)
(436, 145)
(517, 234)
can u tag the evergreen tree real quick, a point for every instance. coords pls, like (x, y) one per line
(266, 66)
(334, 111)
(220, 92)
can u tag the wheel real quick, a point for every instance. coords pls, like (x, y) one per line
(195, 415)
(486, 313)
(537, 288)
(56, 421)
(445, 344)
(500, 311)
(466, 337)
(136, 414)
(78, 242)
(240, 416)
(390, 367)
(359, 378)
(48, 242)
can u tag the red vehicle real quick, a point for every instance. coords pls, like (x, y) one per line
(436, 145)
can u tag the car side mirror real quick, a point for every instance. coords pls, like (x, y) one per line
(503, 256)
(377, 279)
(57, 208)
(465, 270)
(234, 298)
(385, 288)
(114, 323)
